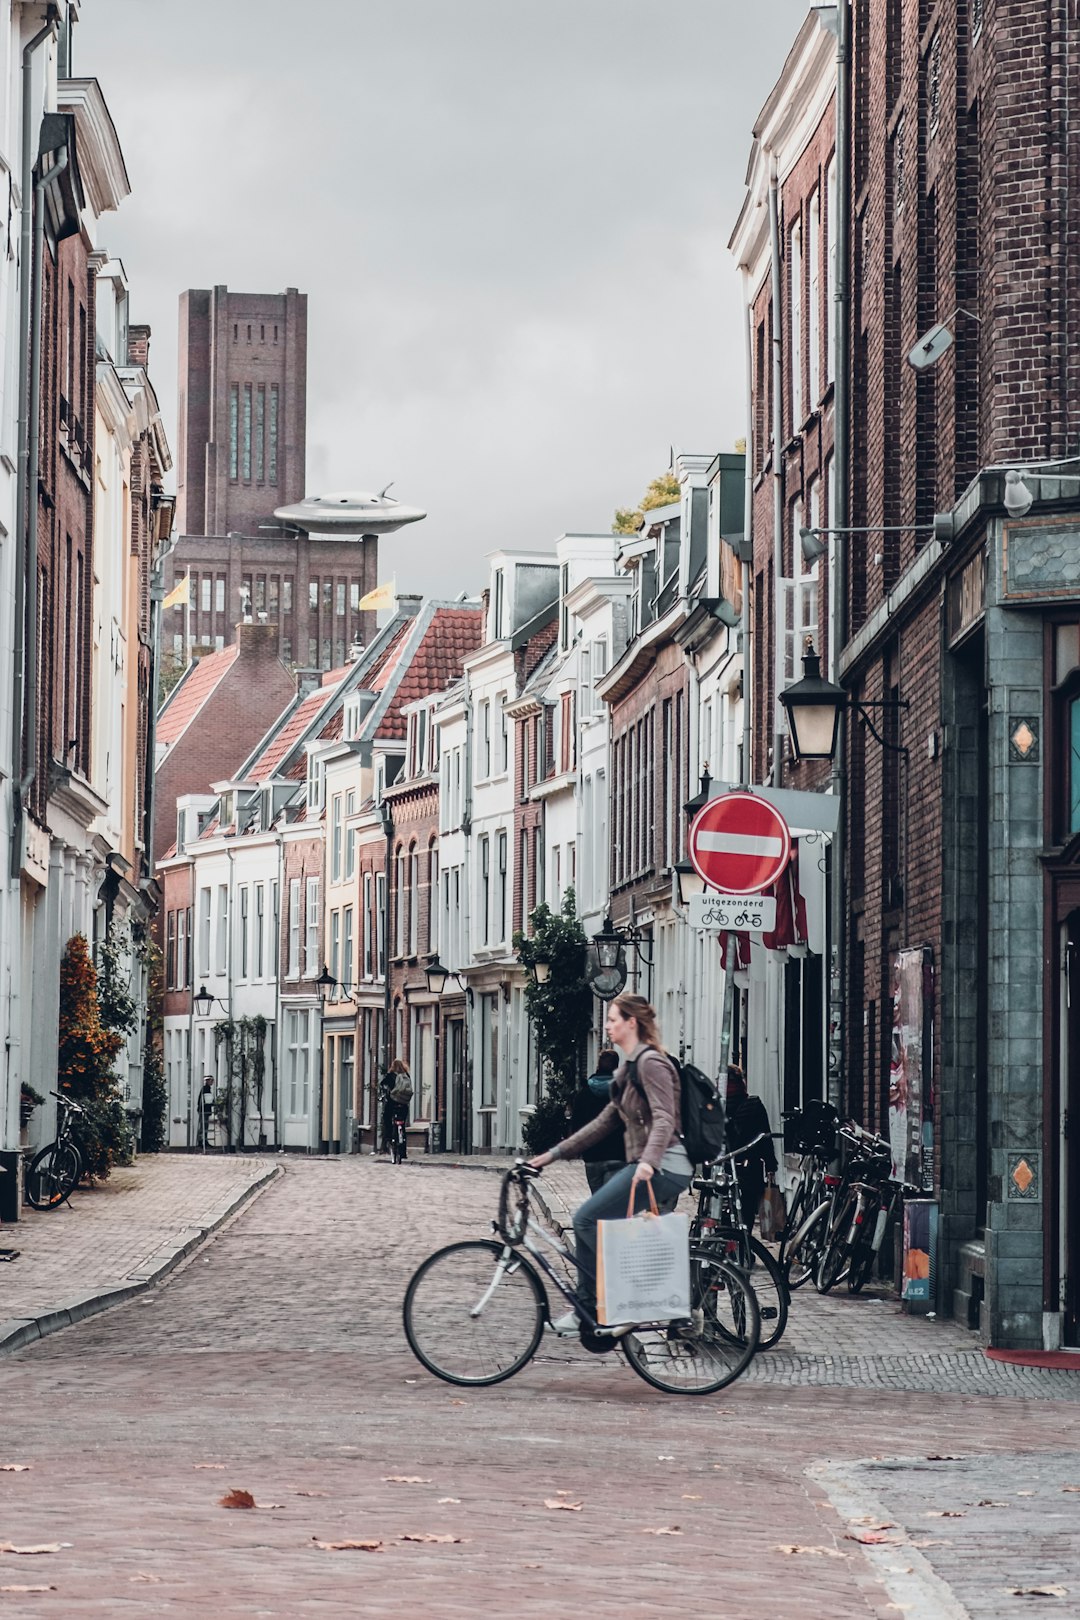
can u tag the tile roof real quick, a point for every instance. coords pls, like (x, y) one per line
(451, 636)
(303, 715)
(188, 697)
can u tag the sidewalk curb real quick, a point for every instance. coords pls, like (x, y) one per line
(17, 1332)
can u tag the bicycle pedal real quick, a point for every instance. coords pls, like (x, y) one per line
(768, 1313)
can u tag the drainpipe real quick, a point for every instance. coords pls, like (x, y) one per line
(746, 774)
(29, 266)
(778, 473)
(834, 1034)
(387, 815)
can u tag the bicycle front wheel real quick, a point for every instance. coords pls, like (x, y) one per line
(767, 1281)
(53, 1174)
(835, 1257)
(801, 1260)
(715, 1347)
(474, 1313)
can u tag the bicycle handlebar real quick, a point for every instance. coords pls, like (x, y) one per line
(68, 1102)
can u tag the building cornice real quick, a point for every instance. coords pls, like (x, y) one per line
(101, 161)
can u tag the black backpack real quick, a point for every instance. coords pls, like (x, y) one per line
(701, 1109)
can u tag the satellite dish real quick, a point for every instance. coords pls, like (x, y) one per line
(930, 348)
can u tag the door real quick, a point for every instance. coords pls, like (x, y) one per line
(457, 1104)
(1069, 1137)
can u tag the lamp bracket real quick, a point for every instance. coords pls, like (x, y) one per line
(894, 704)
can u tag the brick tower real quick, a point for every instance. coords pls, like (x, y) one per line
(242, 408)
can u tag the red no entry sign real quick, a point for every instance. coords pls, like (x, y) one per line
(739, 843)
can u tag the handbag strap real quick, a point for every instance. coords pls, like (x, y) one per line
(652, 1200)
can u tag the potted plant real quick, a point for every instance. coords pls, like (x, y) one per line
(28, 1101)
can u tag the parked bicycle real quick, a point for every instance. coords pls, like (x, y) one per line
(718, 1224)
(863, 1152)
(55, 1172)
(872, 1198)
(475, 1312)
(811, 1132)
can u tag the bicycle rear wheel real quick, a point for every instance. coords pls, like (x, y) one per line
(767, 1281)
(835, 1257)
(862, 1268)
(474, 1313)
(715, 1347)
(54, 1174)
(801, 1260)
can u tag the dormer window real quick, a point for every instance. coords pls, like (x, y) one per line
(351, 717)
(316, 782)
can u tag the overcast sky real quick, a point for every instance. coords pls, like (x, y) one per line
(510, 218)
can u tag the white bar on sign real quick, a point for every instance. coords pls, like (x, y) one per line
(732, 843)
(753, 914)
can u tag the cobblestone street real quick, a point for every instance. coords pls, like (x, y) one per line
(272, 1360)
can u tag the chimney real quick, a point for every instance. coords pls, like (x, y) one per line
(256, 642)
(409, 605)
(307, 681)
(138, 346)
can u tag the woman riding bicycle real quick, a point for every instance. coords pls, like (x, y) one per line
(645, 1094)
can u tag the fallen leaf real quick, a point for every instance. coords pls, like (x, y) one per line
(944, 1513)
(942, 1456)
(1025, 1493)
(456, 1402)
(929, 1541)
(1037, 1591)
(311, 1493)
(814, 1552)
(686, 1496)
(873, 1524)
(412, 1380)
(404, 1479)
(347, 1546)
(987, 1503)
(532, 1566)
(444, 1500)
(208, 1465)
(144, 1575)
(23, 1468)
(30, 1552)
(665, 1459)
(871, 1538)
(664, 1530)
(237, 1499)
(428, 1536)
(27, 1588)
(1071, 1487)
(567, 1507)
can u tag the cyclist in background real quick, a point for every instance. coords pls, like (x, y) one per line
(395, 1092)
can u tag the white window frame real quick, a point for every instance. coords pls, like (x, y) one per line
(795, 324)
(293, 969)
(814, 297)
(312, 930)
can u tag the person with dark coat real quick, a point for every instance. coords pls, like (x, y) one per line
(607, 1157)
(747, 1118)
(395, 1097)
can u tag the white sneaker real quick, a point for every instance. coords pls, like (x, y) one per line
(566, 1326)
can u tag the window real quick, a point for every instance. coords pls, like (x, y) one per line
(206, 585)
(795, 325)
(286, 595)
(204, 932)
(184, 944)
(339, 603)
(483, 741)
(271, 454)
(347, 946)
(556, 874)
(311, 943)
(399, 902)
(259, 952)
(335, 838)
(170, 951)
(484, 896)
(335, 946)
(246, 458)
(933, 83)
(260, 432)
(524, 882)
(504, 735)
(219, 594)
(501, 914)
(367, 962)
(350, 835)
(830, 270)
(222, 928)
(814, 301)
(538, 863)
(294, 929)
(380, 924)
(242, 931)
(234, 429)
(801, 592)
(275, 923)
(297, 1057)
(414, 900)
(433, 896)
(899, 175)
(489, 1050)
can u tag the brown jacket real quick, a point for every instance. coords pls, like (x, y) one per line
(650, 1122)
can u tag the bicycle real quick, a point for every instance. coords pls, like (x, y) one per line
(810, 1132)
(719, 1222)
(814, 1237)
(475, 1312)
(55, 1172)
(873, 1197)
(397, 1139)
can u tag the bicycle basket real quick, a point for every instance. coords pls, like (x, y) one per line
(812, 1129)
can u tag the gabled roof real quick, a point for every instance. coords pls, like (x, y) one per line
(432, 661)
(188, 696)
(294, 725)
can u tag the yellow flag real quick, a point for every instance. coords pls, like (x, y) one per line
(382, 596)
(180, 595)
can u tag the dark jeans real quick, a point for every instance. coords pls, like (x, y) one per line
(392, 1111)
(600, 1171)
(610, 1204)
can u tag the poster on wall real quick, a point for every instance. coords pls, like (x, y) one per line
(911, 1102)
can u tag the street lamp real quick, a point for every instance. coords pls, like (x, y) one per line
(690, 881)
(324, 984)
(204, 1001)
(540, 969)
(813, 706)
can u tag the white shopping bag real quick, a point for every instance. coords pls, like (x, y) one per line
(643, 1267)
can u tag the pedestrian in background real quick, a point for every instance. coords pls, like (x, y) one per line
(747, 1117)
(395, 1091)
(607, 1157)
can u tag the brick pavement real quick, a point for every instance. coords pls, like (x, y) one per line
(117, 1236)
(275, 1354)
